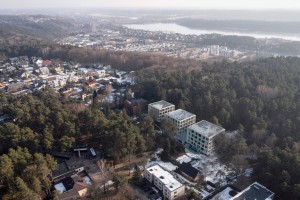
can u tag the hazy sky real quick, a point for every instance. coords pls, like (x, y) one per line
(196, 4)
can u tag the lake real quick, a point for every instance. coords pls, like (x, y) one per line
(175, 28)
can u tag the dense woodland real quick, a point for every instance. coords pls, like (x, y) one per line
(261, 99)
(43, 123)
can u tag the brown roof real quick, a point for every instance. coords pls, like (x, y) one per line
(79, 186)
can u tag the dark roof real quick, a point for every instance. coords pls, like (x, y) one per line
(62, 169)
(68, 182)
(255, 191)
(189, 170)
(68, 166)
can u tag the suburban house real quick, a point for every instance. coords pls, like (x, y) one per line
(136, 106)
(200, 136)
(181, 119)
(73, 187)
(68, 167)
(158, 109)
(91, 83)
(254, 191)
(189, 172)
(165, 182)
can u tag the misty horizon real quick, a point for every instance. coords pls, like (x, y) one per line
(155, 4)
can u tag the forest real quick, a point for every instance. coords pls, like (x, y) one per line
(261, 99)
(43, 123)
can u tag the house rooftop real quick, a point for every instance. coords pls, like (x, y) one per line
(254, 191)
(169, 181)
(206, 128)
(161, 104)
(189, 170)
(180, 114)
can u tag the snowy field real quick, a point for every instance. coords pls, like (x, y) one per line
(210, 166)
(156, 160)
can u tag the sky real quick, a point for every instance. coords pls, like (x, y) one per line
(163, 4)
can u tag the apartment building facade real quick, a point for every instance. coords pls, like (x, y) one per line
(181, 119)
(200, 136)
(165, 182)
(158, 109)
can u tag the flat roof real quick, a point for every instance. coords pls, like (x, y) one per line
(161, 104)
(169, 181)
(180, 114)
(254, 191)
(206, 128)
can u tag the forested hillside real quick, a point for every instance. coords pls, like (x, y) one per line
(259, 98)
(43, 123)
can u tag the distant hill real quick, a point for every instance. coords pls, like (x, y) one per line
(38, 26)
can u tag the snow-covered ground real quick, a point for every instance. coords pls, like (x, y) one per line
(210, 166)
(125, 77)
(183, 158)
(156, 160)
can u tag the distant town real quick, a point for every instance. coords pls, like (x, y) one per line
(119, 38)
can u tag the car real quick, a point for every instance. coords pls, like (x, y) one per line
(146, 189)
(152, 192)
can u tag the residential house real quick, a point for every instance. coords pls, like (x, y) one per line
(136, 106)
(91, 83)
(46, 63)
(44, 71)
(189, 172)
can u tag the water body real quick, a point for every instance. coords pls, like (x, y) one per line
(175, 28)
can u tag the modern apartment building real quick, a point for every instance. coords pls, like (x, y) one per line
(165, 182)
(158, 109)
(255, 191)
(200, 136)
(182, 119)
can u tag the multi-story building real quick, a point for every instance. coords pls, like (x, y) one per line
(165, 182)
(182, 119)
(158, 109)
(200, 136)
(254, 191)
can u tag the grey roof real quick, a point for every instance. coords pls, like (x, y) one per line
(161, 104)
(255, 191)
(180, 114)
(206, 128)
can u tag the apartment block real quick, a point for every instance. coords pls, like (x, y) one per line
(182, 119)
(200, 136)
(165, 182)
(158, 109)
(255, 191)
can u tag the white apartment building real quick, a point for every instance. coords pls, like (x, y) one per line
(214, 50)
(200, 136)
(158, 109)
(164, 181)
(182, 119)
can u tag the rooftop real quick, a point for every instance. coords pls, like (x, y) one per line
(254, 191)
(206, 128)
(161, 104)
(180, 114)
(169, 181)
(189, 170)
